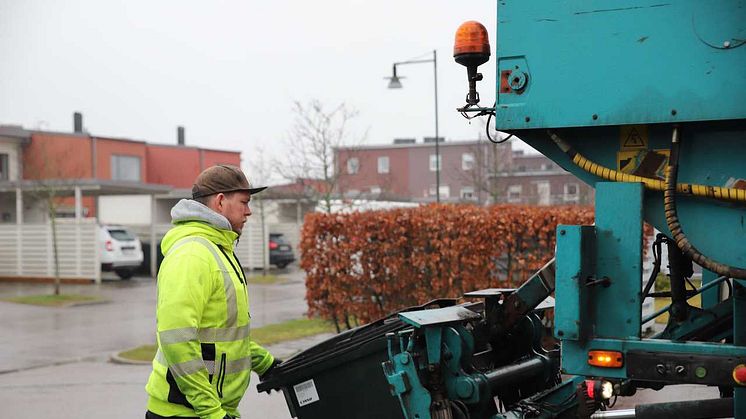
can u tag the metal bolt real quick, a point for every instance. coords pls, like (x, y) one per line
(726, 44)
(680, 369)
(594, 116)
(660, 369)
(405, 359)
(528, 119)
(562, 232)
(673, 112)
(516, 304)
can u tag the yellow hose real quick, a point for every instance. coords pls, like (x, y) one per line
(714, 192)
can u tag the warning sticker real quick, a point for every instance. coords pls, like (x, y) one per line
(306, 393)
(645, 163)
(633, 137)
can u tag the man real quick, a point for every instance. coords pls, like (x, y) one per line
(205, 353)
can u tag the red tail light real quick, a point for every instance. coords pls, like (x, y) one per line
(109, 246)
(273, 245)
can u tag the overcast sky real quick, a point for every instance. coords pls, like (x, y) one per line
(229, 71)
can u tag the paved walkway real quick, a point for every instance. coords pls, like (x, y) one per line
(54, 362)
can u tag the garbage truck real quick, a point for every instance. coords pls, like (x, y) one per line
(645, 101)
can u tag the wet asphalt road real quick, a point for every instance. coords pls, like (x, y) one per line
(54, 362)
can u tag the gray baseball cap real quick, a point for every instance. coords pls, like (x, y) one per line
(222, 178)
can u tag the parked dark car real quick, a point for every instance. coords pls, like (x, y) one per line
(280, 251)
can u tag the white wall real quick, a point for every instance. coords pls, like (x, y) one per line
(26, 250)
(124, 209)
(11, 149)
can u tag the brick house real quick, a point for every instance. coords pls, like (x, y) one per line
(406, 170)
(536, 180)
(91, 166)
(470, 171)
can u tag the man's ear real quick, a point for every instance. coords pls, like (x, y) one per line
(219, 201)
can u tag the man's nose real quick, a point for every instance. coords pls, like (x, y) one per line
(248, 211)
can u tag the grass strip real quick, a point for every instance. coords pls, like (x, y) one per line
(266, 335)
(290, 330)
(53, 300)
(266, 279)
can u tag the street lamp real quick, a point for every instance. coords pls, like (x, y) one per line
(395, 83)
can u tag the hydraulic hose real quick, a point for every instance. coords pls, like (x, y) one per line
(714, 192)
(672, 219)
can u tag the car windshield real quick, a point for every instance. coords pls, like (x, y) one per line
(120, 234)
(279, 238)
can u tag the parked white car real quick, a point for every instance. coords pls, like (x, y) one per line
(121, 250)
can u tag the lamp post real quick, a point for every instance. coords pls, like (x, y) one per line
(395, 83)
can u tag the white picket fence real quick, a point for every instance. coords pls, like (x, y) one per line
(26, 250)
(249, 248)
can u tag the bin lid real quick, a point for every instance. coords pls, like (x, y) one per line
(344, 347)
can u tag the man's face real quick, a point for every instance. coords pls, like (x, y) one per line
(235, 207)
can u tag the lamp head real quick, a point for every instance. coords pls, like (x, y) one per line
(394, 80)
(471, 48)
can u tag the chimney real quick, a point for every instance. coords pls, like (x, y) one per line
(404, 140)
(180, 135)
(432, 140)
(78, 123)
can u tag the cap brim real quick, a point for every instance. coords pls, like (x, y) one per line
(254, 191)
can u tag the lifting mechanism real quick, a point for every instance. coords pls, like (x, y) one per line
(645, 101)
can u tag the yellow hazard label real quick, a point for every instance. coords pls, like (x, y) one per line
(633, 137)
(645, 163)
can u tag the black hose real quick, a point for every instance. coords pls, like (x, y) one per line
(690, 409)
(672, 219)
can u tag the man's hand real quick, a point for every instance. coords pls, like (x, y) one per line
(268, 372)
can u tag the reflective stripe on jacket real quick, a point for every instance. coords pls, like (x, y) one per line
(205, 353)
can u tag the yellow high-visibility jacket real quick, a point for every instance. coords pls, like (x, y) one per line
(205, 353)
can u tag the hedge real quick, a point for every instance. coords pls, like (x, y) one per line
(362, 266)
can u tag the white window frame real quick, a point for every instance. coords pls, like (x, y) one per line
(375, 190)
(467, 193)
(517, 189)
(445, 191)
(467, 161)
(353, 165)
(383, 164)
(4, 166)
(435, 162)
(567, 196)
(118, 172)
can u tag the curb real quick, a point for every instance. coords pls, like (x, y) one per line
(87, 303)
(116, 359)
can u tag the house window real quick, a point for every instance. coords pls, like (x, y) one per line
(4, 167)
(434, 163)
(383, 164)
(125, 168)
(467, 161)
(375, 190)
(467, 193)
(445, 191)
(514, 193)
(547, 166)
(572, 192)
(353, 165)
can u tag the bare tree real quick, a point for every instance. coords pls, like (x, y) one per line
(486, 164)
(49, 179)
(259, 172)
(314, 136)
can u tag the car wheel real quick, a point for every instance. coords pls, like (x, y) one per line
(282, 265)
(124, 273)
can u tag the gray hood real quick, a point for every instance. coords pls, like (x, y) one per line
(191, 210)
